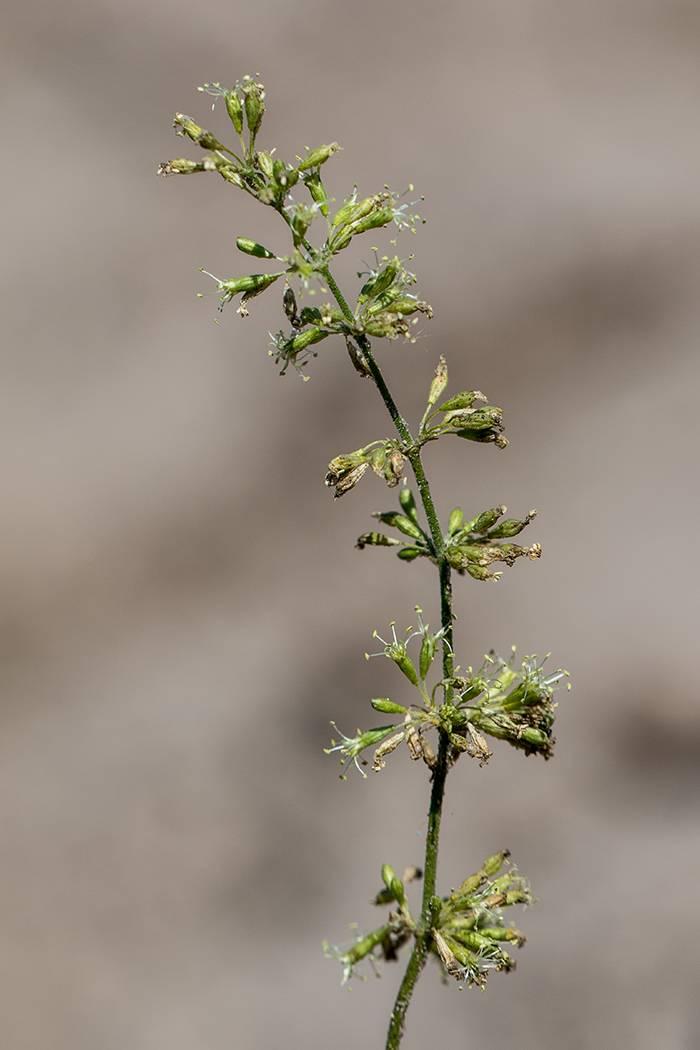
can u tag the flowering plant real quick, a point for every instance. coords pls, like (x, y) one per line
(464, 930)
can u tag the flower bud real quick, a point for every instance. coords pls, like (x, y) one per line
(387, 707)
(253, 248)
(388, 875)
(439, 383)
(313, 183)
(318, 156)
(234, 108)
(233, 102)
(265, 163)
(254, 106)
(408, 504)
(203, 138)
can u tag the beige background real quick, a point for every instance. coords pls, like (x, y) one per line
(183, 611)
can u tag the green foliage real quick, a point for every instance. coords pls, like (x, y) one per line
(464, 930)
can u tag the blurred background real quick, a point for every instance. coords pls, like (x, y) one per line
(183, 610)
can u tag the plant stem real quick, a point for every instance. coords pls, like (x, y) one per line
(412, 451)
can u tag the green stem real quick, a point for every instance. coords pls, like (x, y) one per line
(403, 999)
(423, 932)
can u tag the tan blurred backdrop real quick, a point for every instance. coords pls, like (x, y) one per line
(182, 608)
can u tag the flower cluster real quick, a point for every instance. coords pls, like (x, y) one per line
(500, 700)
(467, 932)
(383, 305)
(470, 546)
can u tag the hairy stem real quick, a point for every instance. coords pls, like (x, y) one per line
(423, 933)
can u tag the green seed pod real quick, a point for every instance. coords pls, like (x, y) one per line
(511, 526)
(253, 248)
(376, 539)
(317, 190)
(378, 284)
(342, 213)
(310, 315)
(387, 707)
(364, 947)
(456, 519)
(372, 221)
(484, 436)
(369, 739)
(410, 553)
(480, 419)
(484, 522)
(232, 176)
(307, 338)
(493, 864)
(427, 654)
(408, 505)
(397, 889)
(366, 207)
(410, 305)
(471, 552)
(340, 241)
(479, 572)
(180, 166)
(504, 933)
(398, 521)
(469, 886)
(465, 399)
(435, 909)
(253, 282)
(318, 156)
